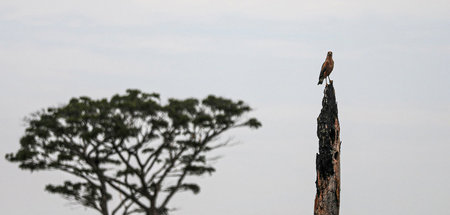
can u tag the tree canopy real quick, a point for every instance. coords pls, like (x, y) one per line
(130, 153)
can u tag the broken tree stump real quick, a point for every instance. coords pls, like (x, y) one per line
(328, 181)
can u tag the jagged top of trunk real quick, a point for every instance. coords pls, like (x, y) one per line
(329, 104)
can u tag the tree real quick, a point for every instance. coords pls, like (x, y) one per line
(130, 146)
(328, 167)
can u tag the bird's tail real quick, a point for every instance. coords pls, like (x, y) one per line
(320, 81)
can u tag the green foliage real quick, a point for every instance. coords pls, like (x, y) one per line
(129, 144)
(84, 193)
(184, 187)
(199, 170)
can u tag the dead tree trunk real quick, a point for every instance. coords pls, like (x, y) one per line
(328, 181)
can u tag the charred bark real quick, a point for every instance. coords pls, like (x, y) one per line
(328, 182)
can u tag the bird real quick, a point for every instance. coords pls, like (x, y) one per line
(327, 68)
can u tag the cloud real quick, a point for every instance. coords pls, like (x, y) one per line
(147, 13)
(31, 60)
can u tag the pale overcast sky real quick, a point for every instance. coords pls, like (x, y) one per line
(391, 78)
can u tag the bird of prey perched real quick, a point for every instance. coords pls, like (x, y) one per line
(327, 68)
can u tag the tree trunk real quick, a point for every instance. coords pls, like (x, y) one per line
(152, 211)
(328, 182)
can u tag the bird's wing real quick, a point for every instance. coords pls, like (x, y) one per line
(323, 69)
